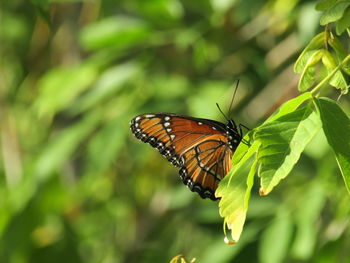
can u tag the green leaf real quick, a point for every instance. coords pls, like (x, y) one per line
(60, 148)
(60, 86)
(290, 106)
(121, 32)
(222, 6)
(307, 77)
(334, 13)
(338, 81)
(344, 22)
(325, 4)
(110, 81)
(234, 191)
(66, 1)
(274, 243)
(105, 145)
(312, 200)
(315, 44)
(328, 60)
(282, 142)
(336, 126)
(339, 49)
(242, 148)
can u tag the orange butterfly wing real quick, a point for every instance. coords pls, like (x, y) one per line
(198, 146)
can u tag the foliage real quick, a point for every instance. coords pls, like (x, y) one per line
(280, 141)
(76, 187)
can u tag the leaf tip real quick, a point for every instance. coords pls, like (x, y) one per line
(262, 192)
(228, 241)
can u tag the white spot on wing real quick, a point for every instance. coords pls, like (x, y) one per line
(199, 123)
(172, 136)
(138, 118)
(166, 124)
(149, 115)
(169, 130)
(167, 118)
(213, 128)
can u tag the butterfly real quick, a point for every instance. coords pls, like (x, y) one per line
(201, 148)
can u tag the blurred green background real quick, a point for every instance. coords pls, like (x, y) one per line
(76, 186)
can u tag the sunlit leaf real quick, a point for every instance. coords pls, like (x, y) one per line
(315, 44)
(307, 77)
(338, 81)
(282, 142)
(242, 148)
(110, 81)
(334, 13)
(290, 106)
(222, 5)
(336, 126)
(59, 87)
(119, 32)
(181, 259)
(234, 191)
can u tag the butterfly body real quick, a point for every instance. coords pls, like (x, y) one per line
(201, 148)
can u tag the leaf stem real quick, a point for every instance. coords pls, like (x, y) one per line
(326, 79)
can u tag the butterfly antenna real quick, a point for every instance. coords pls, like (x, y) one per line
(234, 94)
(217, 105)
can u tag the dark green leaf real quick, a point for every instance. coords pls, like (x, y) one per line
(325, 4)
(336, 126)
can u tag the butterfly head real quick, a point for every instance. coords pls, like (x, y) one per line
(233, 134)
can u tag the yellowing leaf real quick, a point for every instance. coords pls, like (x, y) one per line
(234, 191)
